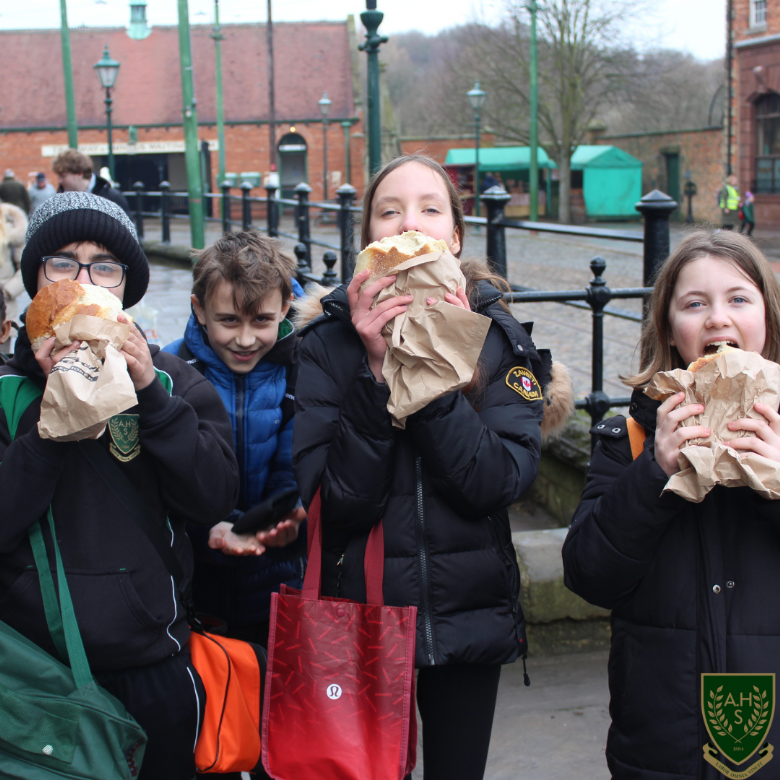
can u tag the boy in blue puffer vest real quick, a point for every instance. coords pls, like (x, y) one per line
(239, 337)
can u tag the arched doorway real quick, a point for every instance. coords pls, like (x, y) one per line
(292, 163)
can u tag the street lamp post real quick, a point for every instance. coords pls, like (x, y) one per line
(324, 104)
(477, 98)
(533, 171)
(371, 19)
(107, 70)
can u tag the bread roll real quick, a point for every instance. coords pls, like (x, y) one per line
(722, 347)
(60, 302)
(382, 256)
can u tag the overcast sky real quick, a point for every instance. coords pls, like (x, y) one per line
(696, 26)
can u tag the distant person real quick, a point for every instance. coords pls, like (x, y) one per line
(40, 191)
(14, 192)
(488, 181)
(74, 170)
(748, 216)
(729, 203)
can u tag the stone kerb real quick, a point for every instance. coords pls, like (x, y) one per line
(557, 620)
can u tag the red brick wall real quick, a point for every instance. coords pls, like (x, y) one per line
(246, 150)
(701, 152)
(438, 147)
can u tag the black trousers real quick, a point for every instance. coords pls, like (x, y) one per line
(457, 704)
(167, 700)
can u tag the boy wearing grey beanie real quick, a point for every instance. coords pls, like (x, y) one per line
(174, 449)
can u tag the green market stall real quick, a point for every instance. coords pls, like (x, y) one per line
(609, 178)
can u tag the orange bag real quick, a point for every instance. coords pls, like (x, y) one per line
(233, 675)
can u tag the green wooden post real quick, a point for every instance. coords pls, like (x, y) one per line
(217, 36)
(67, 72)
(533, 174)
(346, 124)
(191, 153)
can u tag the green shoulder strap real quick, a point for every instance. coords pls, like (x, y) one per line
(60, 617)
(166, 380)
(16, 394)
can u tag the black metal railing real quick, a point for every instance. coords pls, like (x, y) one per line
(655, 208)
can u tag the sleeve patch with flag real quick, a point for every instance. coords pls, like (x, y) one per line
(523, 382)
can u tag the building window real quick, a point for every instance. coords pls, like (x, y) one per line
(757, 13)
(768, 143)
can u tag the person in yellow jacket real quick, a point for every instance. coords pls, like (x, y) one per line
(729, 203)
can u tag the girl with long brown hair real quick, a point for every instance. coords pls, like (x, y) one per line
(693, 588)
(442, 485)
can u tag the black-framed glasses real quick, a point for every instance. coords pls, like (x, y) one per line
(102, 273)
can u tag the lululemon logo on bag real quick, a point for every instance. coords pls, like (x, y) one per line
(334, 691)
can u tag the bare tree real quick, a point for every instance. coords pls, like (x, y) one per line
(581, 65)
(668, 90)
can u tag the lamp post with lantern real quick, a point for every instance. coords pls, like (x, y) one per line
(324, 104)
(107, 70)
(477, 98)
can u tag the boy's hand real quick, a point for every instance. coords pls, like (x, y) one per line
(221, 537)
(138, 357)
(286, 530)
(47, 359)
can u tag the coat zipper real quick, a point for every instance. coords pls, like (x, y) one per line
(426, 600)
(340, 564)
(239, 380)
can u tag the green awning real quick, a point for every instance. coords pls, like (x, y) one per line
(602, 157)
(513, 158)
(499, 159)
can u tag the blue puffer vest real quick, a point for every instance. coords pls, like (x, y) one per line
(238, 590)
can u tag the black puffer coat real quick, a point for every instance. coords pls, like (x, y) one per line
(442, 485)
(693, 588)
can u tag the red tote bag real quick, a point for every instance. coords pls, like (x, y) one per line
(339, 697)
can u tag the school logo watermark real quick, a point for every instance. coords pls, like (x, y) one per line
(738, 710)
(125, 442)
(334, 691)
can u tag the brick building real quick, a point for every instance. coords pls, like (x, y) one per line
(438, 146)
(671, 158)
(753, 124)
(310, 59)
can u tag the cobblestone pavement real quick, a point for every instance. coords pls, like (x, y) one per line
(542, 261)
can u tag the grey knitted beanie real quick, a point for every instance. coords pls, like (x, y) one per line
(69, 217)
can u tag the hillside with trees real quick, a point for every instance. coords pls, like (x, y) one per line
(586, 76)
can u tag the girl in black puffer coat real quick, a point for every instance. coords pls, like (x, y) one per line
(442, 485)
(693, 588)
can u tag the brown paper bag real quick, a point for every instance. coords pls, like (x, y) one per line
(89, 386)
(431, 350)
(728, 387)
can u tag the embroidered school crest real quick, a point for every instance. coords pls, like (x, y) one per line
(738, 710)
(125, 443)
(522, 381)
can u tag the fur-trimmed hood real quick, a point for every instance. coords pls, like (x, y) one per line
(13, 225)
(558, 390)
